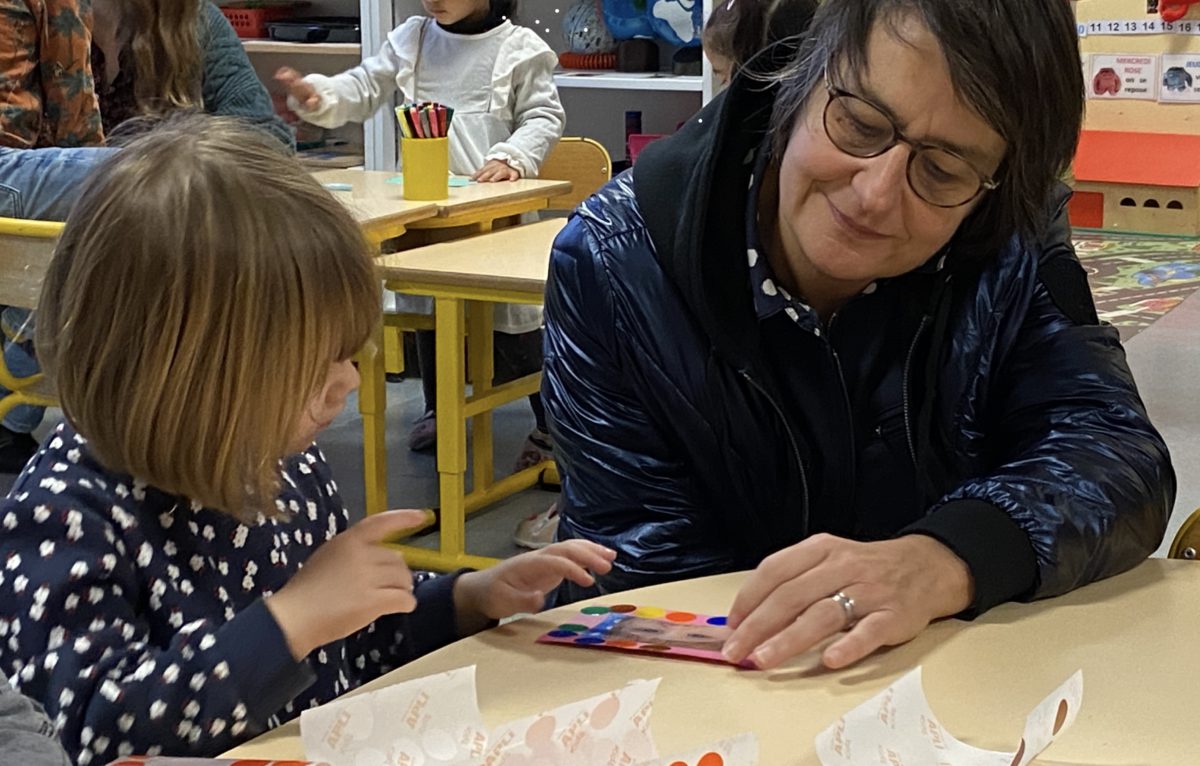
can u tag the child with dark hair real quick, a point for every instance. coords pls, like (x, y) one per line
(738, 30)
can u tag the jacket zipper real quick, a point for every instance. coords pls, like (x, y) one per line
(791, 438)
(912, 348)
(837, 364)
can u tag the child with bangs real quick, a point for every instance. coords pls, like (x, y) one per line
(181, 574)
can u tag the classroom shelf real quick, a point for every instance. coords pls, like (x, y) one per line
(293, 49)
(605, 79)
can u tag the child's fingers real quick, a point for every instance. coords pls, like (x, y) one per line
(559, 567)
(587, 554)
(286, 75)
(393, 600)
(377, 526)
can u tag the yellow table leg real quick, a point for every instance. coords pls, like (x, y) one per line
(372, 405)
(481, 361)
(451, 425)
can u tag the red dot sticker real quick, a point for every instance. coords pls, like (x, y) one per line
(680, 616)
(656, 647)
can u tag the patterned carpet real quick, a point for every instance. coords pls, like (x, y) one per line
(1137, 279)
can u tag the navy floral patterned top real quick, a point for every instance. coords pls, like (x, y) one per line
(137, 618)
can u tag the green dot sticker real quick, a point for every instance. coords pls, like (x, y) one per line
(573, 627)
(594, 610)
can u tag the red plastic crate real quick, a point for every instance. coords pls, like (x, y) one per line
(250, 20)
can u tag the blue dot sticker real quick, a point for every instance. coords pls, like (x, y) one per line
(717, 620)
(589, 640)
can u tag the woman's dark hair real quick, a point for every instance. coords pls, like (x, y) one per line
(1014, 62)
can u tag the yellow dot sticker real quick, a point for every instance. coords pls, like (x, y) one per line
(653, 612)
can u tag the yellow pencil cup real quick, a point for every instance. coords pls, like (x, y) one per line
(425, 163)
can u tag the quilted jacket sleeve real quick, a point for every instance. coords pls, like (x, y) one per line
(1080, 468)
(624, 484)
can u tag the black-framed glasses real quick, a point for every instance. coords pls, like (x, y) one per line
(938, 176)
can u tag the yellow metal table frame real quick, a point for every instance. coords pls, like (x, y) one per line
(454, 308)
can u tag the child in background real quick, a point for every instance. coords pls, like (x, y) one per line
(499, 78)
(26, 735)
(179, 573)
(737, 30)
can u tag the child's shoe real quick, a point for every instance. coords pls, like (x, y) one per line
(538, 530)
(423, 436)
(538, 448)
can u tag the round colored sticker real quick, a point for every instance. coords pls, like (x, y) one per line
(624, 608)
(622, 643)
(563, 633)
(594, 610)
(710, 759)
(574, 627)
(717, 620)
(680, 616)
(656, 647)
(589, 640)
(650, 611)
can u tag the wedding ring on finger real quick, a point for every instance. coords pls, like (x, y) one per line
(847, 604)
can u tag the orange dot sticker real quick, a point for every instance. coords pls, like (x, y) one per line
(650, 611)
(680, 616)
(621, 643)
(711, 759)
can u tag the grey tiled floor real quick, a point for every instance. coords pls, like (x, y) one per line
(1165, 359)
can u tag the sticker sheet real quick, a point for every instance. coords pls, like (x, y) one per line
(645, 629)
(898, 727)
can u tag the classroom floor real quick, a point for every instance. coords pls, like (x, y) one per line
(1147, 287)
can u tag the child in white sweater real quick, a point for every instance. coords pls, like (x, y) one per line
(499, 78)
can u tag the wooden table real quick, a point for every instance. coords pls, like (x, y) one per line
(464, 277)
(1134, 636)
(381, 217)
(381, 210)
(475, 205)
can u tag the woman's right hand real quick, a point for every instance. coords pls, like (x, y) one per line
(347, 584)
(304, 93)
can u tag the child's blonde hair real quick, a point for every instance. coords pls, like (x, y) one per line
(200, 291)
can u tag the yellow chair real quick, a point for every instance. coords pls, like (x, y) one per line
(25, 250)
(1186, 544)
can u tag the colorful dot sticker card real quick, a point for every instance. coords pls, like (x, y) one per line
(644, 629)
(898, 727)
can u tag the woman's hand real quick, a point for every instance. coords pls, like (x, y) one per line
(520, 584)
(306, 95)
(495, 170)
(897, 586)
(347, 584)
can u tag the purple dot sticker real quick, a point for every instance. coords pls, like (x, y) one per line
(563, 633)
(589, 640)
(717, 620)
(594, 610)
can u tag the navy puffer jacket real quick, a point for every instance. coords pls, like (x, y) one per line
(977, 399)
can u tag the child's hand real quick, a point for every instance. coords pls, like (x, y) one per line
(520, 584)
(305, 94)
(348, 583)
(496, 170)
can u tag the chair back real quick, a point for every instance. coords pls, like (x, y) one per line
(25, 250)
(1186, 544)
(583, 162)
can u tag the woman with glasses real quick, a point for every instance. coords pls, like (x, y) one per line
(834, 331)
